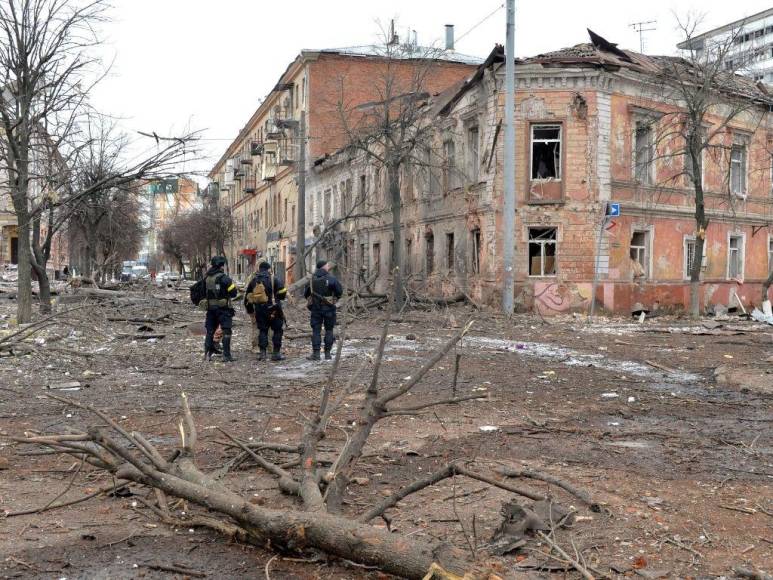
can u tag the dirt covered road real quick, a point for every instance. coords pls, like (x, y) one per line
(668, 424)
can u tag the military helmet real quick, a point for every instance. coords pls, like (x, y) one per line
(218, 261)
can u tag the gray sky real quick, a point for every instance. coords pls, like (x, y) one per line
(205, 64)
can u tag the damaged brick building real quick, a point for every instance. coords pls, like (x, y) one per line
(586, 123)
(257, 174)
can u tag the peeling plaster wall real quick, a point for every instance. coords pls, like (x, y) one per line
(594, 108)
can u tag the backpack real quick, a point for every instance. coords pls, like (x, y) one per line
(199, 291)
(258, 294)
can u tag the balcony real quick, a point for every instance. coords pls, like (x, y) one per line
(248, 185)
(256, 148)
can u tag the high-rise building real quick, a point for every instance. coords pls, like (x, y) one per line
(751, 52)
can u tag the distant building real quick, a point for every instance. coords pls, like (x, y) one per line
(163, 200)
(752, 45)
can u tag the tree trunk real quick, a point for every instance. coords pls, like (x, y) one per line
(44, 293)
(393, 176)
(767, 284)
(24, 293)
(694, 145)
(290, 529)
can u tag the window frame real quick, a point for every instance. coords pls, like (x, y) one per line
(429, 253)
(649, 167)
(475, 241)
(744, 169)
(647, 249)
(704, 261)
(473, 149)
(450, 178)
(450, 251)
(741, 251)
(542, 243)
(560, 141)
(770, 252)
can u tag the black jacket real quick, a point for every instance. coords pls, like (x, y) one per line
(275, 290)
(224, 288)
(323, 285)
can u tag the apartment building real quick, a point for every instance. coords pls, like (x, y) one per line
(162, 201)
(751, 52)
(584, 141)
(257, 174)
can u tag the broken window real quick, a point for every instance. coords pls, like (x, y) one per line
(473, 160)
(640, 254)
(377, 257)
(346, 188)
(363, 258)
(546, 152)
(391, 255)
(449, 166)
(429, 240)
(450, 251)
(326, 208)
(475, 239)
(363, 188)
(738, 169)
(430, 172)
(735, 258)
(643, 153)
(542, 251)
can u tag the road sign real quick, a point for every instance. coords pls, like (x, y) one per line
(613, 210)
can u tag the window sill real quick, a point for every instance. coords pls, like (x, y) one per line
(561, 201)
(548, 276)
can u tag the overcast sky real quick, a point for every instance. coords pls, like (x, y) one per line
(206, 64)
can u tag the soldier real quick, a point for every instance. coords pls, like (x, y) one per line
(322, 293)
(262, 298)
(220, 291)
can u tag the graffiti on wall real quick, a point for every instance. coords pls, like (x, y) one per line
(557, 298)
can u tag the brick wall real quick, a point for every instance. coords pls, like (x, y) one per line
(353, 80)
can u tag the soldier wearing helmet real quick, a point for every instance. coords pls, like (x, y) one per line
(220, 291)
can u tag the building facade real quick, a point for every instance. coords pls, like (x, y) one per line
(257, 175)
(751, 51)
(162, 201)
(585, 118)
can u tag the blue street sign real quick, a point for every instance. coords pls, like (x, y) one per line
(613, 210)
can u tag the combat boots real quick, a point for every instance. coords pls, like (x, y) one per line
(277, 355)
(262, 355)
(314, 355)
(227, 349)
(328, 354)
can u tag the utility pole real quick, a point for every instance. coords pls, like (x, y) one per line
(300, 240)
(508, 235)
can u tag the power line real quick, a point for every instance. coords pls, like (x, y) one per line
(497, 9)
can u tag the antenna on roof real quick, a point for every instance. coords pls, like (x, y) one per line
(641, 28)
(393, 37)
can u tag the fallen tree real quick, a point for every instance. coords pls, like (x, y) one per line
(319, 521)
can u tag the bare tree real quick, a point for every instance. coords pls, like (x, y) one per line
(95, 191)
(704, 96)
(394, 130)
(47, 69)
(195, 235)
(45, 66)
